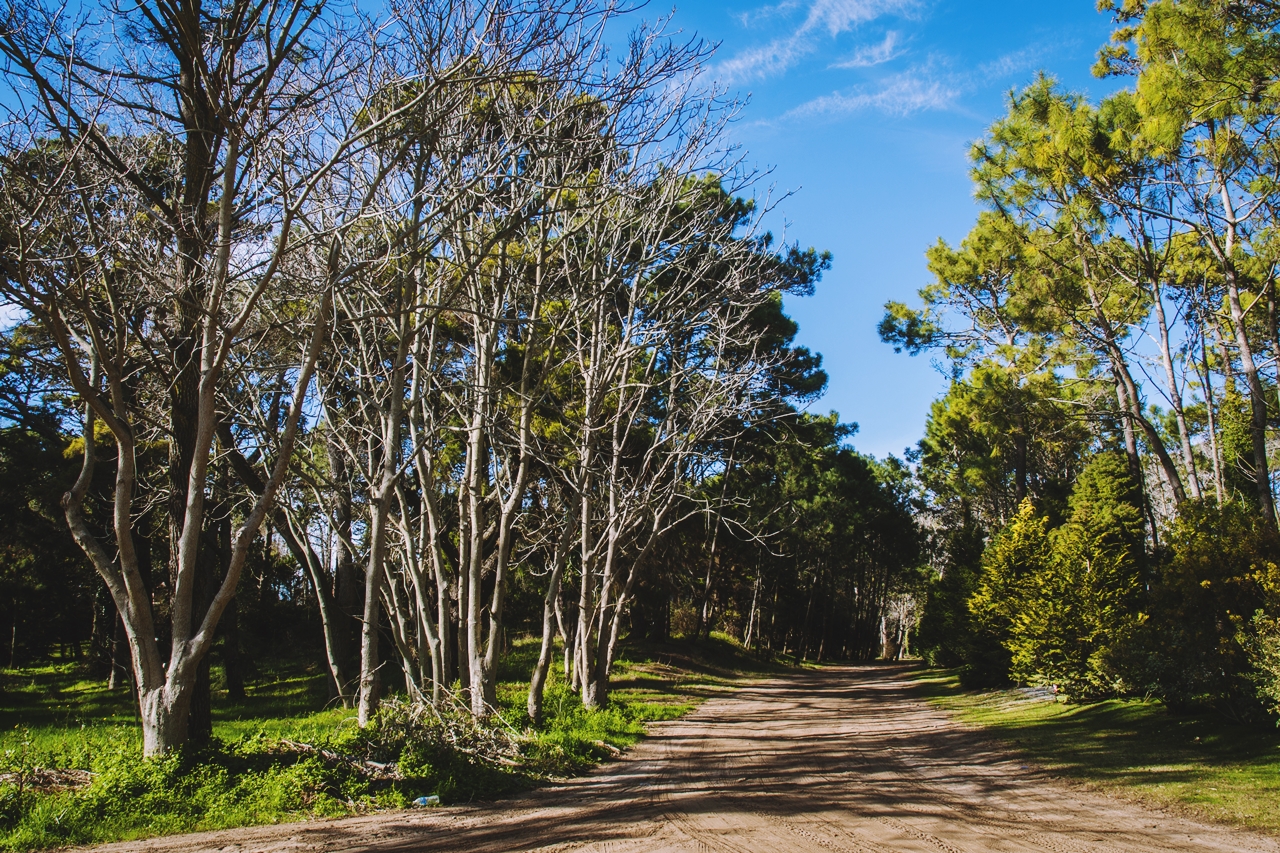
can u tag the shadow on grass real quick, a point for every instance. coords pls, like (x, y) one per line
(1219, 768)
(58, 716)
(255, 772)
(59, 695)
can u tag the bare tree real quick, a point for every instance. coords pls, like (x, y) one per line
(165, 179)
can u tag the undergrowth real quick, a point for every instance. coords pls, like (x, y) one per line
(297, 765)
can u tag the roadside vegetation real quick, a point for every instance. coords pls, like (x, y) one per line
(71, 751)
(1099, 476)
(1098, 479)
(1196, 763)
(450, 325)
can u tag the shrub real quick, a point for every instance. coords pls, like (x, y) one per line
(1204, 606)
(1011, 566)
(1262, 645)
(1080, 610)
(1063, 605)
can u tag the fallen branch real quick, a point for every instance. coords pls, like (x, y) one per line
(48, 780)
(376, 770)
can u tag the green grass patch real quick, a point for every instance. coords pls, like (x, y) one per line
(255, 773)
(1198, 763)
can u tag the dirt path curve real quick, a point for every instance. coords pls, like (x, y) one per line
(839, 760)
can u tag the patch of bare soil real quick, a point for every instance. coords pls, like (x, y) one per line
(845, 759)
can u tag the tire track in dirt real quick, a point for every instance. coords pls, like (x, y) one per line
(844, 760)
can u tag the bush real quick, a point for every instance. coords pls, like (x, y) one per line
(1263, 647)
(1061, 607)
(1080, 612)
(1012, 565)
(1204, 605)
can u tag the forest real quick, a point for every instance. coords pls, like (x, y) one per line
(1100, 475)
(387, 343)
(440, 354)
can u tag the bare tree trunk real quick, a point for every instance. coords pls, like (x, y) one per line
(550, 604)
(367, 704)
(1257, 401)
(1167, 469)
(481, 701)
(1020, 463)
(232, 664)
(343, 625)
(119, 656)
(1206, 380)
(584, 661)
(568, 642)
(1126, 425)
(1105, 333)
(751, 617)
(1175, 395)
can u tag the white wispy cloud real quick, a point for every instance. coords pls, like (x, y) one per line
(831, 17)
(872, 55)
(11, 315)
(762, 15)
(932, 86)
(900, 95)
(1013, 63)
(837, 16)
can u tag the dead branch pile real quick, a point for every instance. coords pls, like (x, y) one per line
(449, 724)
(47, 780)
(378, 771)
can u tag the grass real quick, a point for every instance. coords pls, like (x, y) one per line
(53, 710)
(51, 717)
(1199, 764)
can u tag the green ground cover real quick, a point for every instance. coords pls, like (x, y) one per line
(255, 772)
(1198, 763)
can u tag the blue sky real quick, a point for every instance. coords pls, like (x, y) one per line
(866, 110)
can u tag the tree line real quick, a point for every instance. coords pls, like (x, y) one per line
(406, 333)
(1101, 472)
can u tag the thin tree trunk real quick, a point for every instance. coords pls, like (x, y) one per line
(1211, 407)
(332, 624)
(119, 656)
(367, 703)
(1020, 463)
(1257, 401)
(1175, 396)
(332, 620)
(550, 604)
(1130, 439)
(751, 618)
(347, 588)
(1257, 395)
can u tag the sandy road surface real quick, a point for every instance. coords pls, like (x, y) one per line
(840, 760)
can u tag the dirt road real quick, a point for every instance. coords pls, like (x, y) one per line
(841, 760)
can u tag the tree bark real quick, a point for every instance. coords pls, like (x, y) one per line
(369, 664)
(1257, 400)
(550, 604)
(1175, 395)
